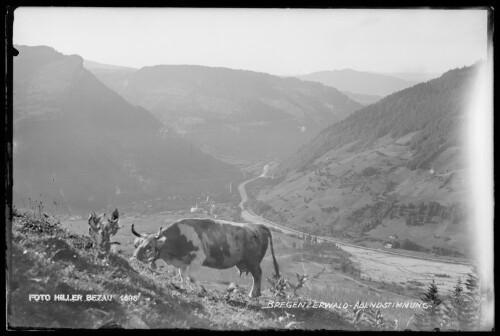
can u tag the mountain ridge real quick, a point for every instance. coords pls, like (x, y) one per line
(88, 64)
(225, 110)
(80, 145)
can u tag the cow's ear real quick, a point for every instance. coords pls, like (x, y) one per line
(114, 215)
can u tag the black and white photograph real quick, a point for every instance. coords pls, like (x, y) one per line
(249, 169)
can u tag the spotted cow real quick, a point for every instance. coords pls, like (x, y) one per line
(191, 243)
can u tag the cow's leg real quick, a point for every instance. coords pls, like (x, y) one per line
(185, 276)
(193, 267)
(257, 277)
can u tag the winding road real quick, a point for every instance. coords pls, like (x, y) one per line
(375, 263)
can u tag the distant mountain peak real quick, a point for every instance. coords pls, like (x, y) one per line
(348, 70)
(359, 82)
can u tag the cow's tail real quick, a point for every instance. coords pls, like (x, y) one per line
(276, 267)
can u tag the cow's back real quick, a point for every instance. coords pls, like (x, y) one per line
(227, 244)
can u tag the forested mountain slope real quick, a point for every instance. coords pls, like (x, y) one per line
(432, 109)
(394, 172)
(80, 146)
(233, 112)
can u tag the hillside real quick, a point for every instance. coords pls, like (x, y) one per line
(50, 260)
(359, 82)
(414, 76)
(101, 67)
(432, 109)
(393, 169)
(233, 112)
(78, 145)
(363, 99)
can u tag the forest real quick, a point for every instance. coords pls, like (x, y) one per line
(433, 109)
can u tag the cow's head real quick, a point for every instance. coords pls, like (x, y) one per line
(147, 246)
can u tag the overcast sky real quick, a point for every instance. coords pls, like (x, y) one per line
(277, 41)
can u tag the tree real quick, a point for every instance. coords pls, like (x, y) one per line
(345, 264)
(457, 307)
(472, 303)
(433, 316)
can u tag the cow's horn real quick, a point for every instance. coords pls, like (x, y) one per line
(134, 232)
(159, 232)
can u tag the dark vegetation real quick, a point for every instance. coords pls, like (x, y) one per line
(371, 215)
(326, 253)
(459, 310)
(408, 244)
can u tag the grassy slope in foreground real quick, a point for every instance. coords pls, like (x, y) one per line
(49, 260)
